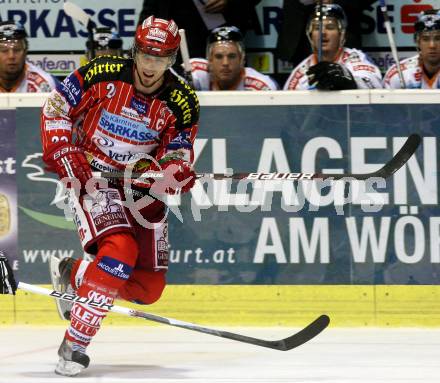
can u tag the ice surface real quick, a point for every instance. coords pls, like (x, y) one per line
(164, 355)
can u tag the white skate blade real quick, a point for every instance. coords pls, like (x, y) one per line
(68, 368)
(55, 277)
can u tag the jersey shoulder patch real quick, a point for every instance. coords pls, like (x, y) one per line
(183, 102)
(106, 68)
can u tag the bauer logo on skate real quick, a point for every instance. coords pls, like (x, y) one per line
(113, 267)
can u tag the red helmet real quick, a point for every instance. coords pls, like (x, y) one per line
(157, 37)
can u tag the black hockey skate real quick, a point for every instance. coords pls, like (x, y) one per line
(72, 361)
(60, 271)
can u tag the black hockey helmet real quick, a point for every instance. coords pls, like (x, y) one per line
(105, 38)
(427, 21)
(333, 11)
(12, 30)
(226, 33)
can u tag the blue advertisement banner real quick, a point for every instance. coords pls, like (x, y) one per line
(276, 232)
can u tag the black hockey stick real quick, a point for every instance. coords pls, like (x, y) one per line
(295, 340)
(401, 157)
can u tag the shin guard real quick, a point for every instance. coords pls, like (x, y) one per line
(102, 280)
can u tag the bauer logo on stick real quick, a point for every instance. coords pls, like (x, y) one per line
(280, 176)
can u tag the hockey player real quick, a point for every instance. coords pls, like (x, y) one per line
(15, 74)
(340, 68)
(128, 108)
(422, 70)
(224, 68)
(106, 41)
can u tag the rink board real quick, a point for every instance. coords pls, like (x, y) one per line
(218, 243)
(238, 293)
(382, 306)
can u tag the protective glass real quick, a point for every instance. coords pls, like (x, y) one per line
(154, 63)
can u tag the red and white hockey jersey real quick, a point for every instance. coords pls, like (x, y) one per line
(365, 73)
(34, 80)
(250, 78)
(115, 123)
(413, 75)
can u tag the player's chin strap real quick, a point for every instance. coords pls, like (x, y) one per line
(8, 286)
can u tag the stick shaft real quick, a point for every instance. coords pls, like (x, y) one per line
(286, 344)
(392, 42)
(185, 56)
(320, 31)
(399, 159)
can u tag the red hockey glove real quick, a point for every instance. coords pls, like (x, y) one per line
(178, 175)
(69, 161)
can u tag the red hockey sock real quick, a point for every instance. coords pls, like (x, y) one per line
(102, 279)
(143, 287)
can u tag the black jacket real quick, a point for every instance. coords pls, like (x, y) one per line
(293, 44)
(239, 13)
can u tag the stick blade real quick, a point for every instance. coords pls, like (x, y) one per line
(76, 13)
(401, 157)
(306, 334)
